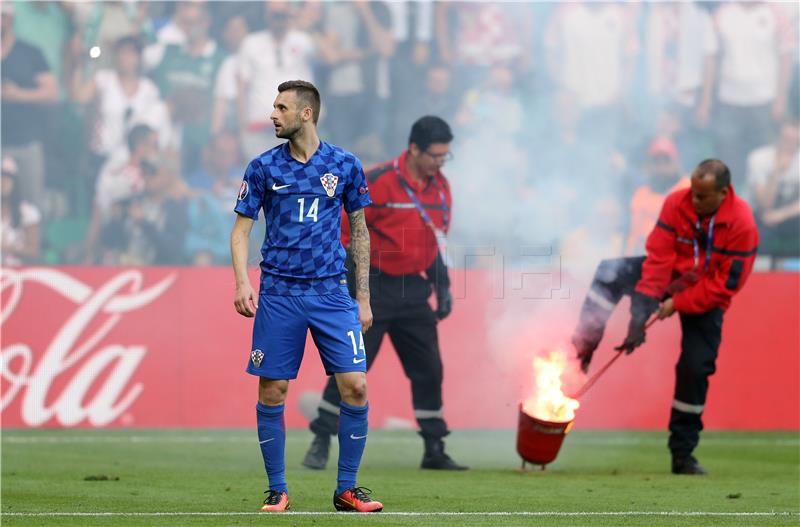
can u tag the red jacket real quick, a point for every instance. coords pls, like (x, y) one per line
(670, 265)
(400, 241)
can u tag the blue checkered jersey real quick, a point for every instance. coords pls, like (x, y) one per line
(302, 202)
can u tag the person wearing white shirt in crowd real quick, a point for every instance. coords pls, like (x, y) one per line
(590, 50)
(673, 35)
(674, 31)
(20, 228)
(266, 59)
(120, 178)
(748, 64)
(124, 98)
(773, 180)
(173, 32)
(226, 85)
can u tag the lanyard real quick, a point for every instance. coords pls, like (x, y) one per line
(418, 205)
(709, 241)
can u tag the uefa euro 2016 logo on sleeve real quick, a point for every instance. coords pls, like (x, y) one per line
(329, 182)
(243, 190)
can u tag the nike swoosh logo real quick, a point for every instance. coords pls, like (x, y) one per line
(276, 187)
(266, 441)
(356, 361)
(352, 436)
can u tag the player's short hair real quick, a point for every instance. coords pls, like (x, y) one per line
(307, 94)
(716, 168)
(429, 130)
(138, 135)
(129, 41)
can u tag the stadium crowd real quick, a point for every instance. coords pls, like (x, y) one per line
(126, 126)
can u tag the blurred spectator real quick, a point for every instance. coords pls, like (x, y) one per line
(438, 97)
(493, 108)
(674, 123)
(412, 27)
(674, 33)
(752, 45)
(663, 176)
(120, 178)
(46, 26)
(486, 34)
(591, 54)
(20, 229)
(28, 88)
(123, 98)
(209, 223)
(175, 32)
(209, 209)
(222, 161)
(157, 223)
(380, 90)
(346, 46)
(266, 59)
(591, 50)
(185, 75)
(103, 24)
(357, 47)
(773, 178)
(226, 84)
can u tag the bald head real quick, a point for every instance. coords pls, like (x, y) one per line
(716, 169)
(711, 181)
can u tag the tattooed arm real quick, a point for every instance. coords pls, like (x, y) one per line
(359, 249)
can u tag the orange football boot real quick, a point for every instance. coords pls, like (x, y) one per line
(356, 500)
(276, 501)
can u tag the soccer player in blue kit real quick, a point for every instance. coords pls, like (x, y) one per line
(302, 185)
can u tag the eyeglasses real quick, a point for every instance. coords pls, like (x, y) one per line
(448, 156)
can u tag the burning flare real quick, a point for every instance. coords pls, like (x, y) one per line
(549, 403)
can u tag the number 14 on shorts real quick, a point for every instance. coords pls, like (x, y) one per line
(360, 346)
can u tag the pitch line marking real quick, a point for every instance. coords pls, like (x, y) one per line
(490, 513)
(378, 439)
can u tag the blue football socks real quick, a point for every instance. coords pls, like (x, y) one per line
(352, 439)
(272, 440)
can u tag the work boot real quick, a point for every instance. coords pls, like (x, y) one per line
(687, 465)
(317, 455)
(436, 459)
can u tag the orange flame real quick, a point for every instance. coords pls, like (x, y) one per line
(549, 403)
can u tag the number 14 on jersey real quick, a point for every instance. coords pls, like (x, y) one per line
(312, 210)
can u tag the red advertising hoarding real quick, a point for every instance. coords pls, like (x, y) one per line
(163, 347)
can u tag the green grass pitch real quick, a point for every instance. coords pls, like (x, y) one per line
(599, 478)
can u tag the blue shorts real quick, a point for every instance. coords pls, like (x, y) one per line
(281, 325)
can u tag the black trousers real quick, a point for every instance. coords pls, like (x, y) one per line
(400, 309)
(700, 340)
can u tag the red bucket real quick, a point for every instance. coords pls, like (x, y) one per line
(539, 441)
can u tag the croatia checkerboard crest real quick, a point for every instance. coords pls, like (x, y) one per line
(329, 182)
(256, 356)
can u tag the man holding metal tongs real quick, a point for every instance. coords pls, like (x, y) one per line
(699, 255)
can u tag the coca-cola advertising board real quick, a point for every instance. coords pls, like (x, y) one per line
(163, 347)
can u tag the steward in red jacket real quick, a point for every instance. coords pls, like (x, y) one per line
(408, 220)
(699, 255)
